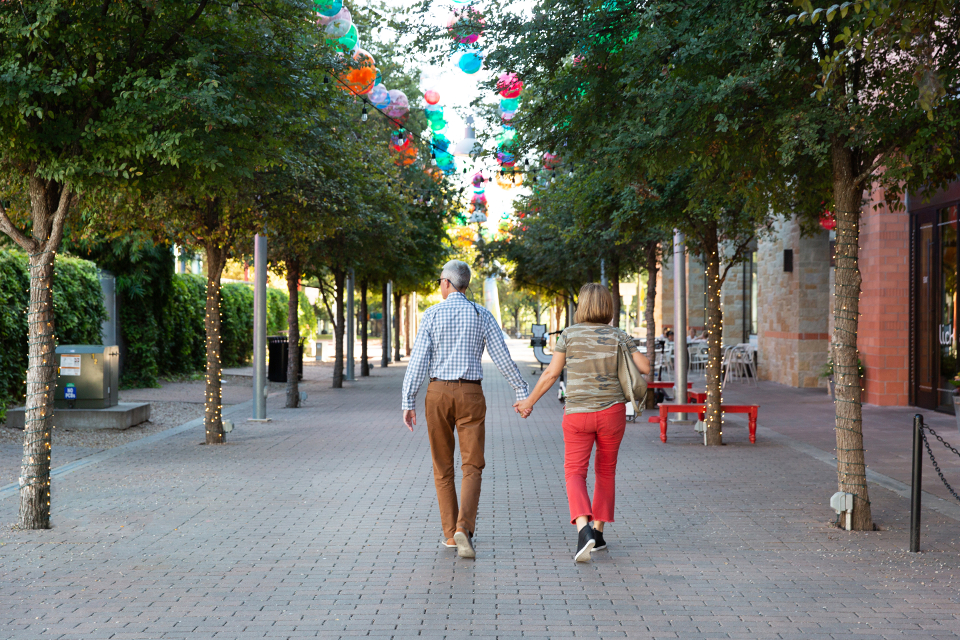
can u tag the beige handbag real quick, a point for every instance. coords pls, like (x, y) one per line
(633, 383)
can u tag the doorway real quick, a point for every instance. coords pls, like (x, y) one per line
(935, 307)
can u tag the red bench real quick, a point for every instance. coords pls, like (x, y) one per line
(701, 409)
(665, 385)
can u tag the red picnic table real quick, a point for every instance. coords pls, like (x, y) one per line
(665, 409)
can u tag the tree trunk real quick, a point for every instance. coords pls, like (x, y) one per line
(651, 260)
(385, 323)
(714, 415)
(41, 378)
(339, 324)
(364, 363)
(212, 410)
(293, 333)
(614, 279)
(851, 464)
(50, 203)
(396, 325)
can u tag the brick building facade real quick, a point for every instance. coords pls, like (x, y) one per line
(782, 301)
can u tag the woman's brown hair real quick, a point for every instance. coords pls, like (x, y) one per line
(595, 304)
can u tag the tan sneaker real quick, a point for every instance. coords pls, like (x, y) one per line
(464, 545)
(449, 543)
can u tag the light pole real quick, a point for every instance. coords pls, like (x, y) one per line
(259, 328)
(350, 325)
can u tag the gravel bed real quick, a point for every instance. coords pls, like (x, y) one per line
(69, 445)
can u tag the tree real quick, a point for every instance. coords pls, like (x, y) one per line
(85, 101)
(868, 131)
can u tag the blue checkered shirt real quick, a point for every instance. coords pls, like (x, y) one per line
(449, 344)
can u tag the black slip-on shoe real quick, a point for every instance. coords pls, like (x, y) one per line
(600, 542)
(585, 542)
(464, 545)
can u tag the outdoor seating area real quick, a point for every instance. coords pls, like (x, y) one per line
(738, 367)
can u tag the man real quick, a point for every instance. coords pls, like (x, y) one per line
(449, 344)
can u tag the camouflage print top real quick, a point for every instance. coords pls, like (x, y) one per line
(592, 383)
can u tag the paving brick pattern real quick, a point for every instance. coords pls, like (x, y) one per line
(323, 523)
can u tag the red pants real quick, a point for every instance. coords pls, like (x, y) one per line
(580, 432)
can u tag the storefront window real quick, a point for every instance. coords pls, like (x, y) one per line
(948, 304)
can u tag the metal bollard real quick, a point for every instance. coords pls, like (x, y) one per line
(915, 486)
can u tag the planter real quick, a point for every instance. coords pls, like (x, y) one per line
(956, 410)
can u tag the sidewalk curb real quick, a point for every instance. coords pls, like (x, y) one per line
(928, 500)
(14, 488)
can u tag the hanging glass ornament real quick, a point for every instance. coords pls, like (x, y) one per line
(470, 61)
(509, 85)
(327, 8)
(338, 25)
(360, 77)
(440, 142)
(550, 161)
(465, 25)
(379, 96)
(406, 156)
(399, 106)
(509, 104)
(431, 96)
(350, 41)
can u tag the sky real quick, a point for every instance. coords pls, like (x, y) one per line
(457, 90)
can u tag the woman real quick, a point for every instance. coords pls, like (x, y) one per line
(594, 412)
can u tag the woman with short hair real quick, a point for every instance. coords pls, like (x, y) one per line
(594, 413)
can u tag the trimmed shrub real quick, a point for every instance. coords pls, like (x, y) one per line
(236, 325)
(78, 309)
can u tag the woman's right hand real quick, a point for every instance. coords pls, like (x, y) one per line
(524, 407)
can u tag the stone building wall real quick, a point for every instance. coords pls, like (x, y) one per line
(732, 303)
(663, 305)
(696, 298)
(793, 307)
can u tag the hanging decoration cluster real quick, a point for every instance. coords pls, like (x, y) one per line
(478, 203)
(465, 26)
(439, 142)
(361, 76)
(509, 87)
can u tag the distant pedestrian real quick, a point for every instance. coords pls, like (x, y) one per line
(449, 344)
(594, 413)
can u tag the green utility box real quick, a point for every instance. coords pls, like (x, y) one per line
(88, 377)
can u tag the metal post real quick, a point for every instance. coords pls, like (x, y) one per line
(388, 321)
(915, 486)
(350, 326)
(259, 327)
(385, 332)
(679, 320)
(603, 272)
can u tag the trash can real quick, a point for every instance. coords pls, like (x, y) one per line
(88, 376)
(279, 356)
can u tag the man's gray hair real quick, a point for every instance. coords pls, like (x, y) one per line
(458, 273)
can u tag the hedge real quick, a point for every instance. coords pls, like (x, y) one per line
(78, 309)
(277, 302)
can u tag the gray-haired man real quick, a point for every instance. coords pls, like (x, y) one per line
(449, 345)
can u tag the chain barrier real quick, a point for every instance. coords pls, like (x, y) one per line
(933, 459)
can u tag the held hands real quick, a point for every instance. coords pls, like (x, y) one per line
(523, 407)
(409, 418)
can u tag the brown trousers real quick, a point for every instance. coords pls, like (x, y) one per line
(460, 406)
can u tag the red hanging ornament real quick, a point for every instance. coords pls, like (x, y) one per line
(827, 221)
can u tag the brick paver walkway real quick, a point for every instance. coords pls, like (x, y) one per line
(323, 523)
